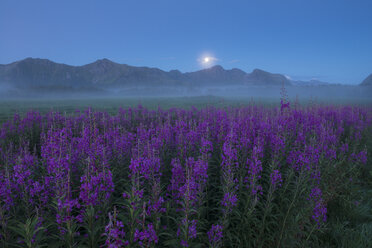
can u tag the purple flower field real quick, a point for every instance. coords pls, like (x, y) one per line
(234, 177)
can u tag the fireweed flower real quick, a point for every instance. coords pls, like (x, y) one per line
(97, 188)
(187, 185)
(188, 182)
(277, 143)
(254, 170)
(178, 178)
(206, 148)
(145, 187)
(147, 236)
(6, 193)
(191, 231)
(145, 167)
(229, 168)
(298, 160)
(22, 170)
(184, 243)
(114, 232)
(155, 206)
(276, 178)
(18, 183)
(60, 157)
(284, 104)
(344, 148)
(229, 155)
(215, 235)
(360, 157)
(320, 209)
(229, 201)
(96, 184)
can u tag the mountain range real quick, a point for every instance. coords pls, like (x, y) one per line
(104, 73)
(34, 74)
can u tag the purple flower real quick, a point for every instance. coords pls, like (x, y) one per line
(360, 157)
(254, 170)
(192, 229)
(276, 178)
(97, 188)
(206, 147)
(229, 201)
(184, 243)
(319, 209)
(188, 182)
(146, 236)
(114, 232)
(344, 148)
(215, 235)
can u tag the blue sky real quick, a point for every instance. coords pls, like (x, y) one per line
(304, 39)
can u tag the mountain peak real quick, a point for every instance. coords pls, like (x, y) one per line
(367, 81)
(175, 72)
(102, 65)
(103, 61)
(267, 78)
(237, 70)
(216, 68)
(259, 71)
(35, 60)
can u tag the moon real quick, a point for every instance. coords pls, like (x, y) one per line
(207, 60)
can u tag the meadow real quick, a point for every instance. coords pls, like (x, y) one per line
(10, 106)
(187, 172)
(111, 105)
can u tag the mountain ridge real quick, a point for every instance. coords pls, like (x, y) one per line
(367, 81)
(104, 74)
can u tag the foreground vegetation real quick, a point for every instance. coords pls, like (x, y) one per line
(285, 176)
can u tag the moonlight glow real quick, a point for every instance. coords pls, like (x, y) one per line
(207, 60)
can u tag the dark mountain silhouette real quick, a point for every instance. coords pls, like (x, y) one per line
(367, 81)
(104, 74)
(266, 78)
(216, 76)
(43, 77)
(100, 74)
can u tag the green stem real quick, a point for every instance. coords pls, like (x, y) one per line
(91, 214)
(312, 230)
(69, 235)
(289, 209)
(267, 205)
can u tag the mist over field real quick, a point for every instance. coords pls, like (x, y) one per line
(321, 94)
(42, 78)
